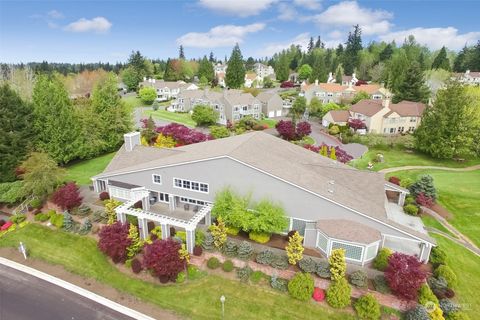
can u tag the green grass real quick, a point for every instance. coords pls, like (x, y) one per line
(397, 157)
(82, 171)
(433, 223)
(459, 193)
(198, 299)
(465, 264)
(161, 114)
(133, 102)
(269, 122)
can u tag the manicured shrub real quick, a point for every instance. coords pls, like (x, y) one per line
(256, 276)
(295, 248)
(410, 200)
(42, 217)
(380, 284)
(208, 243)
(110, 206)
(259, 237)
(279, 284)
(423, 200)
(367, 308)
(197, 251)
(318, 294)
(203, 115)
(394, 180)
(233, 231)
(227, 266)
(114, 241)
(68, 223)
(338, 293)
(104, 196)
(193, 272)
(83, 210)
(307, 265)
(405, 275)
(162, 258)
(213, 263)
(85, 227)
(437, 283)
(457, 315)
(136, 266)
(265, 257)
(359, 279)
(181, 276)
(230, 249)
(338, 266)
(448, 306)
(436, 314)
(245, 250)
(444, 293)
(199, 237)
(136, 244)
(219, 233)
(424, 184)
(425, 295)
(438, 256)
(407, 183)
(417, 313)
(323, 270)
(280, 262)
(57, 220)
(381, 260)
(447, 273)
(36, 203)
(301, 286)
(244, 273)
(411, 209)
(67, 196)
(18, 218)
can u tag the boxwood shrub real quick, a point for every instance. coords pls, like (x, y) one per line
(42, 217)
(227, 266)
(307, 265)
(259, 237)
(411, 209)
(359, 279)
(381, 260)
(338, 293)
(438, 256)
(425, 295)
(368, 308)
(301, 286)
(213, 263)
(447, 273)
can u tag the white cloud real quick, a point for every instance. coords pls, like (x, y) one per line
(349, 13)
(309, 4)
(54, 14)
(434, 38)
(302, 40)
(286, 12)
(52, 25)
(97, 25)
(242, 8)
(219, 36)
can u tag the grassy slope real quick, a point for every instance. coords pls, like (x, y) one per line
(183, 118)
(459, 192)
(82, 171)
(465, 264)
(197, 300)
(395, 157)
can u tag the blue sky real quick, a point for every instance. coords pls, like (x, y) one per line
(89, 31)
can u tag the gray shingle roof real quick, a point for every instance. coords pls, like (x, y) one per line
(348, 230)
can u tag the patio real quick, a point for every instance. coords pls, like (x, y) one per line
(183, 213)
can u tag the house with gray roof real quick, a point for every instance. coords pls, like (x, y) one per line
(272, 104)
(331, 204)
(167, 90)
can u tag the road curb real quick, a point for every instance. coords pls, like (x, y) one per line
(76, 289)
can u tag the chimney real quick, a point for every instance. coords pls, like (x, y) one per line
(386, 103)
(131, 139)
(316, 82)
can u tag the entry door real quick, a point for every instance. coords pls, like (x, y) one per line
(163, 197)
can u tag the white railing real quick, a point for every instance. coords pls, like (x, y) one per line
(24, 205)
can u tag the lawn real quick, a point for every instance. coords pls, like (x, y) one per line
(82, 171)
(459, 192)
(161, 114)
(133, 101)
(433, 223)
(397, 157)
(269, 122)
(465, 264)
(198, 299)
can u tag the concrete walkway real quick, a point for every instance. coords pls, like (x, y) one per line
(389, 170)
(449, 237)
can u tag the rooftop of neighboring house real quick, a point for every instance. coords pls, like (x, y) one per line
(339, 115)
(336, 87)
(369, 108)
(361, 191)
(265, 96)
(160, 84)
(241, 98)
(220, 75)
(251, 76)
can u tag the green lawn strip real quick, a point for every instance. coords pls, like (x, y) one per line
(433, 223)
(269, 122)
(459, 193)
(396, 157)
(183, 118)
(466, 266)
(198, 299)
(82, 171)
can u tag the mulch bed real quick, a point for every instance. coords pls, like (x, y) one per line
(442, 211)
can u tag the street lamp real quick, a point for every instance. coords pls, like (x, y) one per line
(222, 300)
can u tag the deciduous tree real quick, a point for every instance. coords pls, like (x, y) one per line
(404, 275)
(67, 196)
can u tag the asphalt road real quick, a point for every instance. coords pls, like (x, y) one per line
(24, 297)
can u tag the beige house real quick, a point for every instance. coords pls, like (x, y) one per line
(337, 93)
(339, 117)
(272, 104)
(167, 90)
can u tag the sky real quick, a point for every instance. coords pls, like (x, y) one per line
(108, 30)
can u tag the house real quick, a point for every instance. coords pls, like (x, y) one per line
(469, 77)
(272, 104)
(263, 71)
(221, 79)
(331, 204)
(382, 117)
(167, 90)
(250, 78)
(220, 68)
(337, 93)
(338, 117)
(349, 80)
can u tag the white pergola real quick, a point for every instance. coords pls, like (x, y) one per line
(165, 221)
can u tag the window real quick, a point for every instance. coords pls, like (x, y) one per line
(371, 252)
(245, 108)
(392, 130)
(299, 225)
(413, 119)
(322, 242)
(351, 252)
(190, 185)
(157, 179)
(193, 201)
(164, 197)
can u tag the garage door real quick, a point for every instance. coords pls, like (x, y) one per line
(271, 114)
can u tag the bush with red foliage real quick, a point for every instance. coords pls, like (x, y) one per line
(444, 293)
(394, 180)
(313, 148)
(67, 196)
(361, 82)
(182, 134)
(197, 251)
(136, 266)
(303, 129)
(342, 155)
(287, 84)
(114, 241)
(286, 129)
(318, 294)
(424, 200)
(6, 225)
(404, 275)
(162, 258)
(104, 196)
(356, 124)
(2, 222)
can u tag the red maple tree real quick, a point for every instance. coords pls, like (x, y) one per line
(67, 196)
(404, 275)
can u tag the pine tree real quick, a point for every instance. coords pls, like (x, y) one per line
(353, 47)
(209, 242)
(319, 71)
(460, 59)
(319, 43)
(310, 45)
(441, 60)
(57, 130)
(338, 76)
(338, 266)
(211, 58)
(68, 223)
(295, 248)
(413, 86)
(230, 248)
(281, 68)
(181, 54)
(235, 74)
(386, 53)
(135, 244)
(85, 227)
(205, 69)
(16, 135)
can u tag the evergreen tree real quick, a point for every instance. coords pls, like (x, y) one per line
(205, 69)
(474, 58)
(249, 65)
(91, 141)
(135, 244)
(57, 130)
(68, 223)
(386, 53)
(319, 43)
(16, 135)
(353, 47)
(281, 68)
(137, 61)
(319, 71)
(460, 59)
(181, 54)
(338, 75)
(441, 60)
(211, 58)
(310, 45)
(295, 248)
(42, 175)
(235, 75)
(109, 107)
(413, 87)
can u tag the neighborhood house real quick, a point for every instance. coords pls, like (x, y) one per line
(167, 90)
(337, 93)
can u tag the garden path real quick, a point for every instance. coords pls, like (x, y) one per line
(389, 170)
